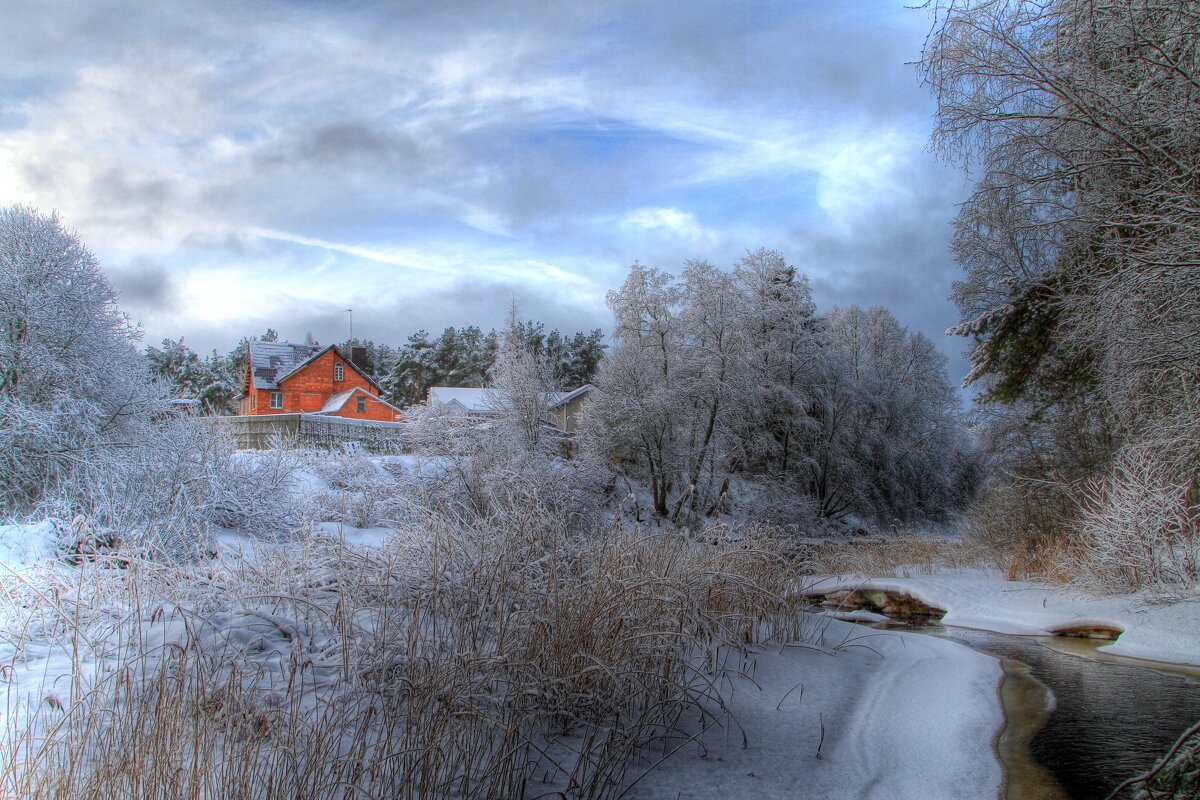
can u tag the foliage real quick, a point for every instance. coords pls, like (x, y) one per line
(464, 357)
(716, 374)
(71, 382)
(188, 377)
(1081, 241)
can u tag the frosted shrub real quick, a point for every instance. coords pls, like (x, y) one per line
(492, 466)
(171, 480)
(71, 382)
(360, 490)
(507, 656)
(780, 504)
(1141, 525)
(347, 470)
(253, 492)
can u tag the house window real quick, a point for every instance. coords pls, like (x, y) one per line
(276, 399)
(338, 372)
(362, 405)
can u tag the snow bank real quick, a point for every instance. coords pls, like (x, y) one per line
(984, 600)
(884, 715)
(359, 538)
(22, 546)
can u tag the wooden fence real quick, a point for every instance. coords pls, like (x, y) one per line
(267, 431)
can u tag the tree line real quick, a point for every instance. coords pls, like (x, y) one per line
(721, 387)
(719, 376)
(457, 357)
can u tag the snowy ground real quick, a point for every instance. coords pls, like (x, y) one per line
(984, 600)
(857, 714)
(878, 715)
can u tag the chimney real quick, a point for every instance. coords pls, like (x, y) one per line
(358, 357)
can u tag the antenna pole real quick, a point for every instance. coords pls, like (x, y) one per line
(350, 311)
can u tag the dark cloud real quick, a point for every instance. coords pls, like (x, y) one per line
(145, 285)
(897, 255)
(343, 144)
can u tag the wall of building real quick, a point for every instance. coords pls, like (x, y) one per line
(376, 410)
(564, 415)
(306, 390)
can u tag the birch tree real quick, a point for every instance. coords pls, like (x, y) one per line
(720, 375)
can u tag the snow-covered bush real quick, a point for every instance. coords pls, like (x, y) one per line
(774, 503)
(171, 481)
(1140, 526)
(500, 463)
(358, 490)
(253, 492)
(507, 656)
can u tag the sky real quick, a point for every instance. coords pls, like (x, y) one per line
(244, 165)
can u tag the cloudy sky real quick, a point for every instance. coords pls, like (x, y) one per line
(239, 165)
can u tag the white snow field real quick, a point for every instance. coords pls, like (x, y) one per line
(856, 713)
(984, 600)
(885, 715)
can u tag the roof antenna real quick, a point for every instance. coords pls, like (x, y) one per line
(350, 311)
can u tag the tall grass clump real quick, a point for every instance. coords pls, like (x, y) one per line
(515, 653)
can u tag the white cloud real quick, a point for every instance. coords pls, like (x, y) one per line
(396, 149)
(862, 174)
(682, 224)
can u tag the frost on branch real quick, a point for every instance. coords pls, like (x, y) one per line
(71, 382)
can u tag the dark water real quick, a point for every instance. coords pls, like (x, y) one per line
(1111, 719)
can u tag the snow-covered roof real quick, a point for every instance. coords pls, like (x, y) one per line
(335, 403)
(565, 397)
(471, 400)
(271, 362)
(480, 401)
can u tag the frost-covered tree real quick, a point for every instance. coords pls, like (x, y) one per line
(464, 356)
(519, 385)
(185, 375)
(70, 377)
(413, 373)
(785, 341)
(633, 417)
(178, 366)
(218, 395)
(720, 374)
(1081, 241)
(891, 446)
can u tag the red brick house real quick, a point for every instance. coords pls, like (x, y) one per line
(285, 378)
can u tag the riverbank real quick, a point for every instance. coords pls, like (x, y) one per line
(1146, 627)
(867, 714)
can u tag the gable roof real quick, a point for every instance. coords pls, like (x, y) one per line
(337, 401)
(272, 362)
(564, 398)
(469, 399)
(481, 401)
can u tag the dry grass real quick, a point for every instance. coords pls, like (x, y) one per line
(903, 556)
(497, 657)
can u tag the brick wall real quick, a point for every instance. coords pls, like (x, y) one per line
(376, 410)
(306, 390)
